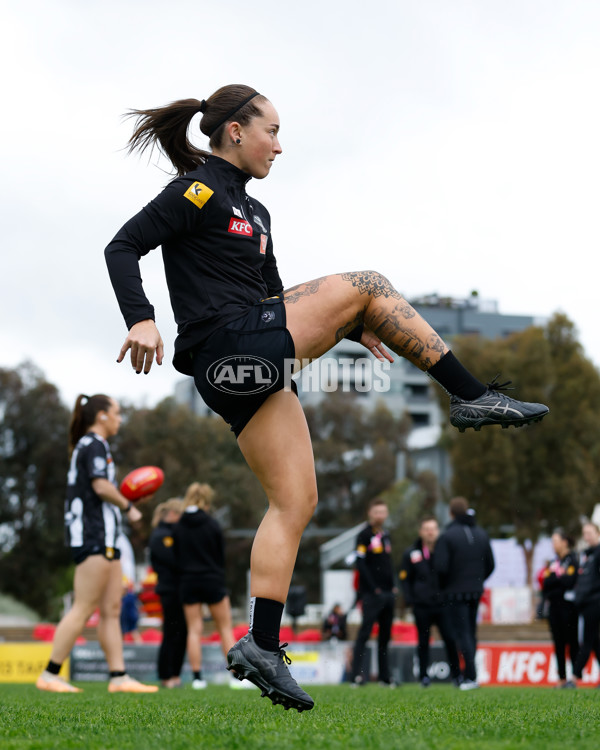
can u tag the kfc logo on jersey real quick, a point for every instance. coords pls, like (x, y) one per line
(239, 226)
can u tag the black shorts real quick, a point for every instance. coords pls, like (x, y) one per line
(79, 554)
(240, 365)
(202, 592)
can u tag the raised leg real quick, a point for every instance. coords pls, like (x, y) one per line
(321, 312)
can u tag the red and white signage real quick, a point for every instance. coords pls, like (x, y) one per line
(525, 664)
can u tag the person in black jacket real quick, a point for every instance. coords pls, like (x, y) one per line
(200, 553)
(463, 560)
(587, 598)
(376, 591)
(558, 582)
(421, 591)
(164, 563)
(241, 336)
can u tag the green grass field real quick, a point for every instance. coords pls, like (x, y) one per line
(373, 717)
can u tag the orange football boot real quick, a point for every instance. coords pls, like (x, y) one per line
(127, 684)
(55, 684)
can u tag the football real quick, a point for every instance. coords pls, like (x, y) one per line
(141, 482)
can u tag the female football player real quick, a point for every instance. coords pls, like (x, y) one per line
(93, 523)
(239, 333)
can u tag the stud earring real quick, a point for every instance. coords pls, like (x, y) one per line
(237, 140)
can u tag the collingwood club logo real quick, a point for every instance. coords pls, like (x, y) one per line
(242, 375)
(257, 220)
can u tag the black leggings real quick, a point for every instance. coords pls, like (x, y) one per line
(172, 648)
(591, 638)
(562, 618)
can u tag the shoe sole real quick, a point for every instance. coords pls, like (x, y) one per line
(62, 691)
(244, 670)
(114, 690)
(479, 423)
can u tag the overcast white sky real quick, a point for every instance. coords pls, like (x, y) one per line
(450, 144)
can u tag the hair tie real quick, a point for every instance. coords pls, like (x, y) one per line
(84, 400)
(231, 113)
(202, 106)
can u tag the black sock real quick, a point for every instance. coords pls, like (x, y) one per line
(116, 673)
(53, 667)
(198, 675)
(456, 379)
(265, 621)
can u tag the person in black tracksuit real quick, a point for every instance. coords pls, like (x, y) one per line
(240, 335)
(463, 560)
(421, 590)
(200, 554)
(558, 583)
(162, 558)
(587, 598)
(377, 593)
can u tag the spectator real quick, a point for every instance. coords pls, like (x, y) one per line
(334, 625)
(587, 597)
(558, 583)
(164, 563)
(376, 591)
(463, 560)
(421, 590)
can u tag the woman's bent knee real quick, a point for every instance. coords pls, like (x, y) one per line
(372, 283)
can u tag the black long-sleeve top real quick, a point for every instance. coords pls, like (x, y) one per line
(217, 251)
(418, 577)
(587, 588)
(374, 560)
(463, 558)
(162, 558)
(199, 547)
(560, 577)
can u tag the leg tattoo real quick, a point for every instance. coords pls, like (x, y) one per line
(388, 314)
(349, 326)
(294, 293)
(372, 283)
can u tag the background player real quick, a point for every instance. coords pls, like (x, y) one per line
(93, 524)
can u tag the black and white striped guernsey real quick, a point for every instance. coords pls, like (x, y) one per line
(89, 520)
